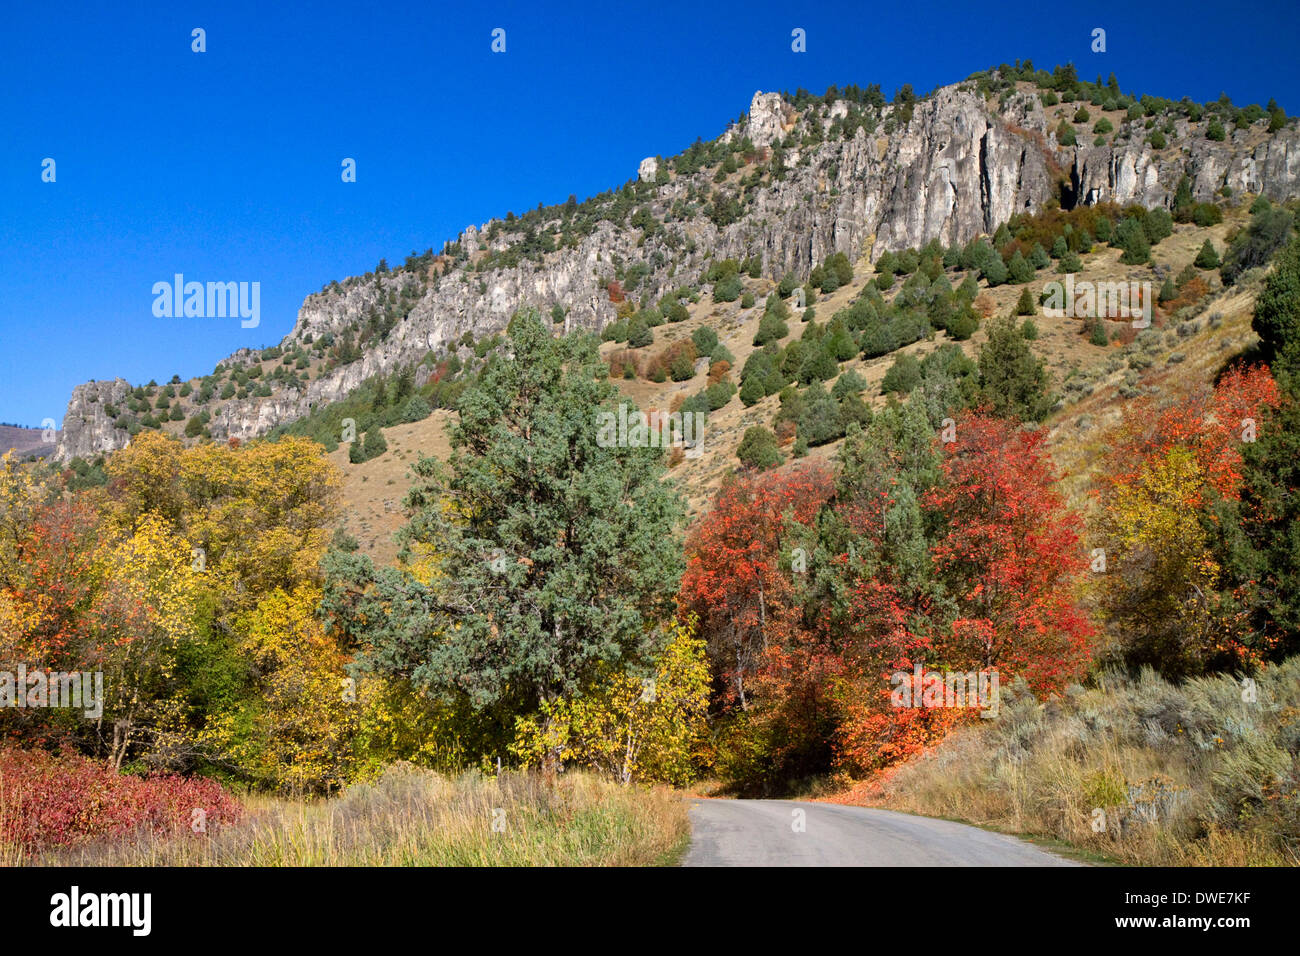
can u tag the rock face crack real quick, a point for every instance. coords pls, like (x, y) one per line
(986, 182)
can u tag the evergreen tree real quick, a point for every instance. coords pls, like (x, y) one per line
(374, 444)
(1013, 382)
(1019, 270)
(1132, 239)
(759, 448)
(556, 548)
(639, 334)
(903, 376)
(1277, 316)
(1025, 304)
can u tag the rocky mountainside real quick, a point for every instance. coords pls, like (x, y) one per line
(795, 181)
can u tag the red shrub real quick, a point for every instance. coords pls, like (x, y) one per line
(49, 800)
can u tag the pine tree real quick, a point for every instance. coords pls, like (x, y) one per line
(759, 449)
(1277, 316)
(1013, 382)
(556, 546)
(1025, 304)
(1019, 270)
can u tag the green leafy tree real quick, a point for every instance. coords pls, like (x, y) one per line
(1025, 304)
(1013, 381)
(554, 549)
(759, 449)
(1132, 239)
(1277, 316)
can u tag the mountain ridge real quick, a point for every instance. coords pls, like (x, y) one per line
(810, 179)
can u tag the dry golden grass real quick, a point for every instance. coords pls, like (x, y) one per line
(415, 817)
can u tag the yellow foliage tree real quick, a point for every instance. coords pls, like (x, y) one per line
(295, 734)
(631, 728)
(1161, 585)
(262, 512)
(144, 611)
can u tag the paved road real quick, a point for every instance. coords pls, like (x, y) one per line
(765, 833)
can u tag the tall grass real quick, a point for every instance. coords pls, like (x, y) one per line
(415, 817)
(1139, 770)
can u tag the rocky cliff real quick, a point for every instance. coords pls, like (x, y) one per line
(950, 166)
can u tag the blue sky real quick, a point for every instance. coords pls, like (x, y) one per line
(225, 165)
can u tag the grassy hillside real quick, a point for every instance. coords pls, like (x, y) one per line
(1092, 381)
(1141, 771)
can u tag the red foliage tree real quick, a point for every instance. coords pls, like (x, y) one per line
(733, 580)
(1011, 553)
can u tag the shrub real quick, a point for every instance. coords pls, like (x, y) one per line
(1019, 269)
(1132, 239)
(682, 366)
(1025, 304)
(840, 265)
(374, 444)
(963, 326)
(759, 449)
(770, 329)
(1207, 258)
(705, 339)
(60, 801)
(903, 376)
(417, 409)
(1206, 214)
(727, 289)
(995, 272)
(719, 394)
(1255, 245)
(639, 334)
(752, 390)
(819, 366)
(1157, 224)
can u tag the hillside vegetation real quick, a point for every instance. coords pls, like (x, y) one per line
(451, 587)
